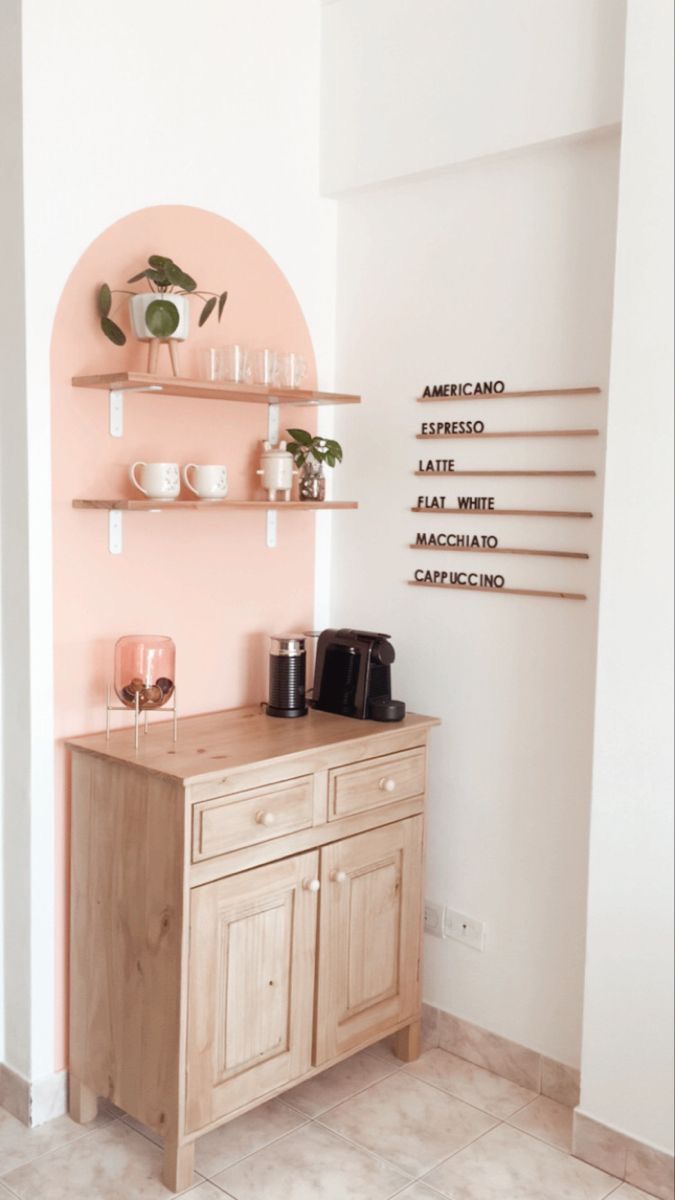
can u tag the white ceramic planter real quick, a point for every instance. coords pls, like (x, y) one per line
(138, 305)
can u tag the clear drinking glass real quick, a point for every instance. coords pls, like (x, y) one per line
(263, 366)
(291, 369)
(145, 665)
(225, 363)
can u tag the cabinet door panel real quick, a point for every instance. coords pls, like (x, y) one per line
(371, 900)
(251, 986)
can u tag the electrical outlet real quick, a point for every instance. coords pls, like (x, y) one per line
(433, 918)
(464, 929)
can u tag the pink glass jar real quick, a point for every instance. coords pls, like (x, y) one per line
(145, 666)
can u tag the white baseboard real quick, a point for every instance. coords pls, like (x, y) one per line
(33, 1103)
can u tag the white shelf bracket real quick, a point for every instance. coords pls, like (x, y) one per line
(116, 406)
(115, 531)
(273, 423)
(271, 530)
(116, 409)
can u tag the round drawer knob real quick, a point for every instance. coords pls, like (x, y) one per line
(311, 885)
(265, 818)
(387, 785)
(338, 876)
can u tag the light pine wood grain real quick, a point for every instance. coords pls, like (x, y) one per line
(593, 390)
(206, 389)
(368, 973)
(251, 989)
(246, 818)
(359, 787)
(218, 744)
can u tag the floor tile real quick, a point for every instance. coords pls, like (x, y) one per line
(419, 1191)
(626, 1192)
(312, 1164)
(19, 1144)
(144, 1129)
(338, 1083)
(114, 1163)
(204, 1191)
(545, 1119)
(508, 1163)
(409, 1123)
(470, 1083)
(220, 1149)
(384, 1050)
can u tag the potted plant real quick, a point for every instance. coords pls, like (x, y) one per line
(310, 454)
(161, 312)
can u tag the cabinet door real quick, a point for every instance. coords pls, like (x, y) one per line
(370, 940)
(251, 985)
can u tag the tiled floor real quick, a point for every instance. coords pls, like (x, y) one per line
(368, 1129)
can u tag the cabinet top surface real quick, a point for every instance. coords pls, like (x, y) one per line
(212, 744)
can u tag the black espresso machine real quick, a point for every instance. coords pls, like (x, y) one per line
(352, 675)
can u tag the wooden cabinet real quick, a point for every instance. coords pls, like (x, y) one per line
(369, 966)
(246, 910)
(251, 986)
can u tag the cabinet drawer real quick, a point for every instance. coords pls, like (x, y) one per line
(379, 781)
(232, 822)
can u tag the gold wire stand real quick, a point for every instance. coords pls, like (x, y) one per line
(138, 712)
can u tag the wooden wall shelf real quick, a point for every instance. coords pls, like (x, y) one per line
(502, 550)
(458, 587)
(514, 474)
(173, 505)
(540, 392)
(203, 389)
(116, 509)
(511, 433)
(487, 513)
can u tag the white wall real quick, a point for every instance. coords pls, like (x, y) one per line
(627, 1079)
(411, 85)
(499, 269)
(15, 699)
(216, 106)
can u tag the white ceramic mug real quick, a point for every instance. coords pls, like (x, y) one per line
(209, 482)
(158, 481)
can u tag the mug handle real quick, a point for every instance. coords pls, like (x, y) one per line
(186, 477)
(132, 476)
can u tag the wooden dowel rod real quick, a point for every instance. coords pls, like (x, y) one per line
(502, 550)
(501, 512)
(459, 587)
(578, 391)
(515, 474)
(512, 433)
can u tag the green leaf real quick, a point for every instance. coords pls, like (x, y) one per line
(179, 278)
(207, 310)
(222, 301)
(160, 262)
(162, 318)
(330, 458)
(301, 436)
(112, 331)
(104, 299)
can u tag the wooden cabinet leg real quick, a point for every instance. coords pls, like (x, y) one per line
(82, 1102)
(179, 1164)
(408, 1042)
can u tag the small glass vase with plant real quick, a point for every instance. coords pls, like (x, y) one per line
(310, 454)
